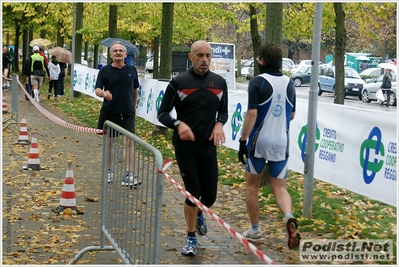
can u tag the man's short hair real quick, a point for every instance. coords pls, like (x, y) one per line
(272, 55)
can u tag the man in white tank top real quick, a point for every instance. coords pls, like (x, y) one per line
(265, 138)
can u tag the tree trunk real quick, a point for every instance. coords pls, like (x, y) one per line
(340, 46)
(155, 66)
(78, 38)
(60, 36)
(95, 57)
(16, 45)
(112, 25)
(256, 40)
(238, 53)
(166, 41)
(274, 34)
(274, 23)
(265, 177)
(166, 52)
(25, 47)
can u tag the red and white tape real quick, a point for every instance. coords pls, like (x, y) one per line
(57, 120)
(216, 218)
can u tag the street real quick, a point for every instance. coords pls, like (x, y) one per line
(353, 101)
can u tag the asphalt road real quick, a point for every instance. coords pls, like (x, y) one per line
(303, 92)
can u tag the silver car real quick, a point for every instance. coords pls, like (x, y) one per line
(369, 90)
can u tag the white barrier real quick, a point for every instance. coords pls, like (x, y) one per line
(356, 148)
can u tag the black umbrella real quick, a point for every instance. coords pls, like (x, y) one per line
(131, 48)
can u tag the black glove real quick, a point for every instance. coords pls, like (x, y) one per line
(243, 151)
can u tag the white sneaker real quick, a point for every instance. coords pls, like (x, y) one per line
(129, 180)
(254, 236)
(110, 176)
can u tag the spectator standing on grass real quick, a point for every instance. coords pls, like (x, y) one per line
(200, 99)
(61, 78)
(265, 137)
(7, 60)
(54, 70)
(118, 84)
(13, 58)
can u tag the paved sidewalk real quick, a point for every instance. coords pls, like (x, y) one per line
(33, 234)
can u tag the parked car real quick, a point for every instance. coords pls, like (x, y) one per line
(302, 75)
(149, 65)
(353, 82)
(242, 62)
(371, 74)
(306, 62)
(288, 62)
(286, 66)
(369, 90)
(247, 69)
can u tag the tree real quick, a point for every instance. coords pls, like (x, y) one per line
(166, 51)
(340, 46)
(166, 41)
(274, 23)
(78, 36)
(256, 41)
(112, 24)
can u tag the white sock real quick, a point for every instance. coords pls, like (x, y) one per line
(287, 216)
(36, 92)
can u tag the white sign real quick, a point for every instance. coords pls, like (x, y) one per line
(223, 62)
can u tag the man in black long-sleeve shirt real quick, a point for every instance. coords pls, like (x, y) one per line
(200, 99)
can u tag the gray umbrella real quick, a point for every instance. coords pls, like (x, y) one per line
(131, 48)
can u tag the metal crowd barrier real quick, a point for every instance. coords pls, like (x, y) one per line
(130, 216)
(14, 102)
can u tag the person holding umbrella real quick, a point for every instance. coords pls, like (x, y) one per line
(63, 56)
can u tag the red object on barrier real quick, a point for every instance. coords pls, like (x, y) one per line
(68, 198)
(5, 107)
(23, 134)
(216, 218)
(33, 158)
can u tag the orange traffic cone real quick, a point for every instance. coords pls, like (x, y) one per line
(23, 134)
(5, 107)
(68, 199)
(33, 158)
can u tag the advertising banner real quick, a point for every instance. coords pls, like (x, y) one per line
(356, 148)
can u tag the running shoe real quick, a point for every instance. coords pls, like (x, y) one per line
(190, 248)
(294, 237)
(129, 180)
(110, 176)
(254, 236)
(201, 228)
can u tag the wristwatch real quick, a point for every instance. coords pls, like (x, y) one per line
(176, 123)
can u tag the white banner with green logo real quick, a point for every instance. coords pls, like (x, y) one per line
(356, 148)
